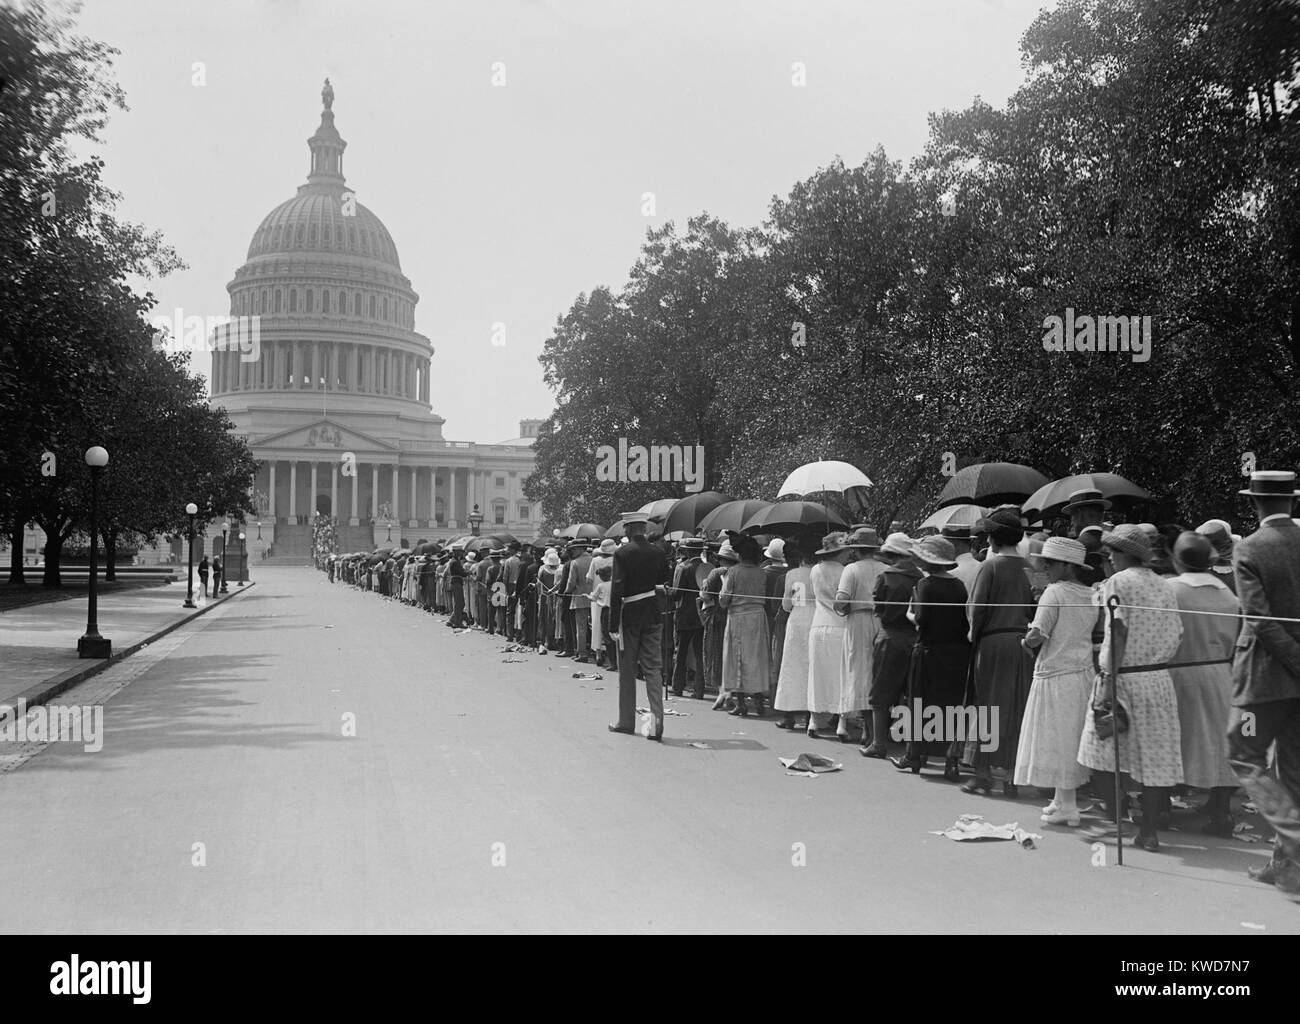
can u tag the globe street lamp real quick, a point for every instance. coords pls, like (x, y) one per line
(191, 510)
(475, 521)
(225, 557)
(242, 549)
(92, 645)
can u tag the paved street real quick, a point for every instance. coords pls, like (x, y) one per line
(229, 732)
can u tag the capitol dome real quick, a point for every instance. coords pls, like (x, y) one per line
(313, 221)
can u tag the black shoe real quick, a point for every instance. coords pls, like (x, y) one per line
(656, 737)
(1150, 843)
(619, 728)
(978, 785)
(878, 750)
(951, 772)
(906, 764)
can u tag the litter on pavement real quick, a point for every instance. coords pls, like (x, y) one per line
(973, 826)
(583, 675)
(809, 764)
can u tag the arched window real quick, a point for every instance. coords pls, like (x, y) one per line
(293, 300)
(299, 235)
(277, 300)
(352, 238)
(343, 301)
(311, 233)
(328, 233)
(372, 307)
(356, 303)
(324, 300)
(261, 302)
(385, 307)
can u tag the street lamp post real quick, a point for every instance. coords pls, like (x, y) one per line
(191, 510)
(92, 645)
(242, 560)
(225, 557)
(475, 521)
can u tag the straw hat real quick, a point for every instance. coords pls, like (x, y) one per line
(897, 544)
(1130, 539)
(1063, 549)
(551, 558)
(935, 552)
(727, 552)
(864, 537)
(775, 550)
(834, 544)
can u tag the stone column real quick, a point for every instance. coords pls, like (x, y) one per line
(315, 368)
(374, 490)
(293, 490)
(397, 491)
(433, 496)
(311, 501)
(271, 496)
(356, 486)
(415, 498)
(451, 500)
(334, 489)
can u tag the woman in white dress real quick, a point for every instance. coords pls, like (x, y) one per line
(797, 600)
(854, 600)
(1061, 633)
(826, 634)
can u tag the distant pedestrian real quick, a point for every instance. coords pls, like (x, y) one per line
(204, 569)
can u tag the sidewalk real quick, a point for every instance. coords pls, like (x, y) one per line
(38, 643)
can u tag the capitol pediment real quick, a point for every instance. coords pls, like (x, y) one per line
(327, 435)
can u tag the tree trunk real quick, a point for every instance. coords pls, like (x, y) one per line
(53, 552)
(110, 555)
(16, 538)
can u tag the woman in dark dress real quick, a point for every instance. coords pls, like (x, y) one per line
(203, 574)
(1002, 671)
(937, 676)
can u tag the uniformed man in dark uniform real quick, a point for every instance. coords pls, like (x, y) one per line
(636, 621)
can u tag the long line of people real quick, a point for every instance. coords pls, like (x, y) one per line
(852, 637)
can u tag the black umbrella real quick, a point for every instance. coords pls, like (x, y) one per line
(1052, 496)
(688, 512)
(618, 531)
(732, 516)
(790, 517)
(990, 484)
(587, 531)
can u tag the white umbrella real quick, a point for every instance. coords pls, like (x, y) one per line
(822, 477)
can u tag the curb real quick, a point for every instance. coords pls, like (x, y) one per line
(44, 691)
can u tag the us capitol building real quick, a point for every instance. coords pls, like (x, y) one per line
(337, 408)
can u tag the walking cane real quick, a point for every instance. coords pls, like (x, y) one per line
(1112, 603)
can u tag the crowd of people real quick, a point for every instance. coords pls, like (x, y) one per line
(1184, 642)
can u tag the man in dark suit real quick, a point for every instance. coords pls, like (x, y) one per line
(690, 628)
(1266, 672)
(511, 570)
(637, 624)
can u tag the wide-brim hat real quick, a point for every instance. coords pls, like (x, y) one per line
(1219, 533)
(775, 550)
(1083, 498)
(956, 531)
(471, 557)
(1194, 551)
(898, 544)
(1001, 519)
(551, 559)
(634, 517)
(864, 537)
(1063, 549)
(607, 546)
(726, 551)
(1129, 538)
(935, 552)
(691, 544)
(833, 544)
(576, 543)
(1272, 483)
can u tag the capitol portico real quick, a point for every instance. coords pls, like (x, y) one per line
(336, 408)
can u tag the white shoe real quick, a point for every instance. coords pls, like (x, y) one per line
(1059, 817)
(1051, 808)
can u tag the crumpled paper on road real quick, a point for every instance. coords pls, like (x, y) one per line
(973, 826)
(667, 711)
(809, 765)
(583, 675)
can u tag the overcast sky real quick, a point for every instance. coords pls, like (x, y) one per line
(506, 203)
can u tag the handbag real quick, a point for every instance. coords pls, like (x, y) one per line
(1109, 716)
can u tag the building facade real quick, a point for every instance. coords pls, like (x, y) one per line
(336, 408)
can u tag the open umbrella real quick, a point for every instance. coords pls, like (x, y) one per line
(688, 512)
(617, 531)
(733, 515)
(991, 483)
(658, 510)
(504, 538)
(822, 478)
(954, 515)
(458, 543)
(588, 531)
(483, 544)
(1052, 496)
(789, 517)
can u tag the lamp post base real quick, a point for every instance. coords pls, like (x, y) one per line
(94, 647)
